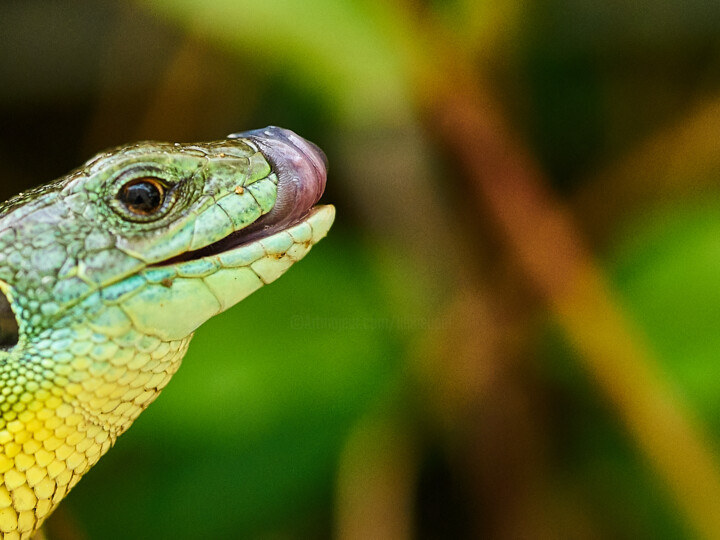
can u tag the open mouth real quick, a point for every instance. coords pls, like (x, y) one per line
(301, 168)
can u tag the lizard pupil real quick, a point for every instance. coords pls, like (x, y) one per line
(144, 196)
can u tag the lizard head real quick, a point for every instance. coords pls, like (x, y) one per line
(170, 233)
(107, 272)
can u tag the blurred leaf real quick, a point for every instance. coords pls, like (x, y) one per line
(668, 264)
(665, 264)
(595, 461)
(335, 48)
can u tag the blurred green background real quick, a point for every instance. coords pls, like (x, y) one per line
(512, 331)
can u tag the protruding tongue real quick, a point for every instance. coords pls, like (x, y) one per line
(301, 168)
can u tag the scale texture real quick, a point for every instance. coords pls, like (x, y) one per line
(102, 302)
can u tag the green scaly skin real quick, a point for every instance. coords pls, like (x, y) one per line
(105, 309)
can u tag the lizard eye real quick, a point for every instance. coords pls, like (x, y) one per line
(144, 196)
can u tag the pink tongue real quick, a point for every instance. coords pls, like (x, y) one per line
(301, 168)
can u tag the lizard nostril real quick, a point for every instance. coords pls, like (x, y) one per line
(9, 331)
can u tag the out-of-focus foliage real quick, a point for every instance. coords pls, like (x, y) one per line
(413, 378)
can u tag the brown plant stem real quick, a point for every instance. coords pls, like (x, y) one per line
(541, 237)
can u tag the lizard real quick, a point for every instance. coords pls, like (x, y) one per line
(106, 273)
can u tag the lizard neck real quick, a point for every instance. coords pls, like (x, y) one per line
(73, 394)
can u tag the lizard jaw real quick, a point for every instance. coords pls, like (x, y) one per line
(301, 168)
